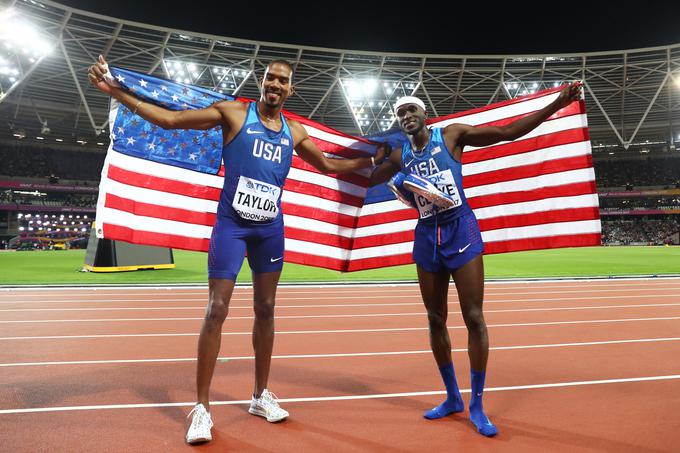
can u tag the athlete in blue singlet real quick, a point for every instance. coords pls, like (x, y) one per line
(447, 240)
(257, 151)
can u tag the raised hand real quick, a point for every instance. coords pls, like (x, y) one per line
(569, 94)
(97, 73)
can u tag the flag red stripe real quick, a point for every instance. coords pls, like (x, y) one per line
(323, 192)
(136, 179)
(311, 212)
(539, 218)
(528, 171)
(332, 240)
(388, 217)
(524, 146)
(121, 233)
(520, 196)
(384, 239)
(353, 178)
(380, 261)
(316, 261)
(158, 211)
(548, 242)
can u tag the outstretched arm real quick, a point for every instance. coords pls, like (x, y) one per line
(462, 135)
(205, 118)
(311, 154)
(387, 169)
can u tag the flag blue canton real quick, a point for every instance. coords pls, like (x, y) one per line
(191, 149)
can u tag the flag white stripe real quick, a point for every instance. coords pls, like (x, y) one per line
(548, 204)
(326, 181)
(534, 182)
(546, 128)
(314, 202)
(152, 224)
(502, 112)
(528, 158)
(546, 230)
(163, 199)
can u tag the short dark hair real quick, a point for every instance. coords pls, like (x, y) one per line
(284, 63)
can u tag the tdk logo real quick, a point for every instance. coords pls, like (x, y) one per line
(264, 188)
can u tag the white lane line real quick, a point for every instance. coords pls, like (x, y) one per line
(395, 304)
(336, 331)
(415, 294)
(548, 283)
(363, 315)
(343, 398)
(338, 355)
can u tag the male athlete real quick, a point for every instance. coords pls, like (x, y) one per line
(447, 238)
(257, 151)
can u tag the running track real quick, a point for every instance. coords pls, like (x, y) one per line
(575, 366)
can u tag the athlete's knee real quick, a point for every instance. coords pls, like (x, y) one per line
(436, 320)
(217, 310)
(264, 309)
(474, 320)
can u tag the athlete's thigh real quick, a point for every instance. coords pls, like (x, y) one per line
(434, 287)
(266, 248)
(469, 281)
(227, 250)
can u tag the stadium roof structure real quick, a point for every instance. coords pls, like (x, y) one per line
(633, 96)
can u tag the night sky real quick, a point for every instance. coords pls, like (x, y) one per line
(447, 27)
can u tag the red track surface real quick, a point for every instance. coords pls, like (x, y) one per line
(600, 340)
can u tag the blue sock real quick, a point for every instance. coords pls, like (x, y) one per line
(477, 415)
(453, 402)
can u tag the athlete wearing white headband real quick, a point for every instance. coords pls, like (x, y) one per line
(409, 100)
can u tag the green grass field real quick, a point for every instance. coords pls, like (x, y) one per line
(63, 267)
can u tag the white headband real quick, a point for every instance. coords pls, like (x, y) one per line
(409, 100)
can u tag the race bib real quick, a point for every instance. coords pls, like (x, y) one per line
(256, 200)
(444, 182)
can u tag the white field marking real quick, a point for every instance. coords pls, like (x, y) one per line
(341, 398)
(302, 332)
(389, 296)
(339, 355)
(362, 315)
(335, 331)
(561, 283)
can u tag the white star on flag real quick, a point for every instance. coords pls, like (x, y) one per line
(143, 82)
(175, 98)
(192, 156)
(131, 141)
(120, 78)
(164, 88)
(152, 146)
(155, 94)
(121, 130)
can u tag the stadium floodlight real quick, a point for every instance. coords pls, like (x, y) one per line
(205, 75)
(17, 33)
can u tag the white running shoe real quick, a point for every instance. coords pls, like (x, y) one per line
(266, 406)
(423, 186)
(199, 430)
(396, 185)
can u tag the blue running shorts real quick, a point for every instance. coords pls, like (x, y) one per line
(230, 240)
(448, 246)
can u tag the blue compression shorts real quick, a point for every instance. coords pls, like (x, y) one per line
(230, 240)
(448, 246)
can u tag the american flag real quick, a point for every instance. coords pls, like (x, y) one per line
(161, 187)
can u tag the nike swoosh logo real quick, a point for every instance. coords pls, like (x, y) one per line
(274, 260)
(409, 163)
(464, 248)
(479, 394)
(251, 132)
